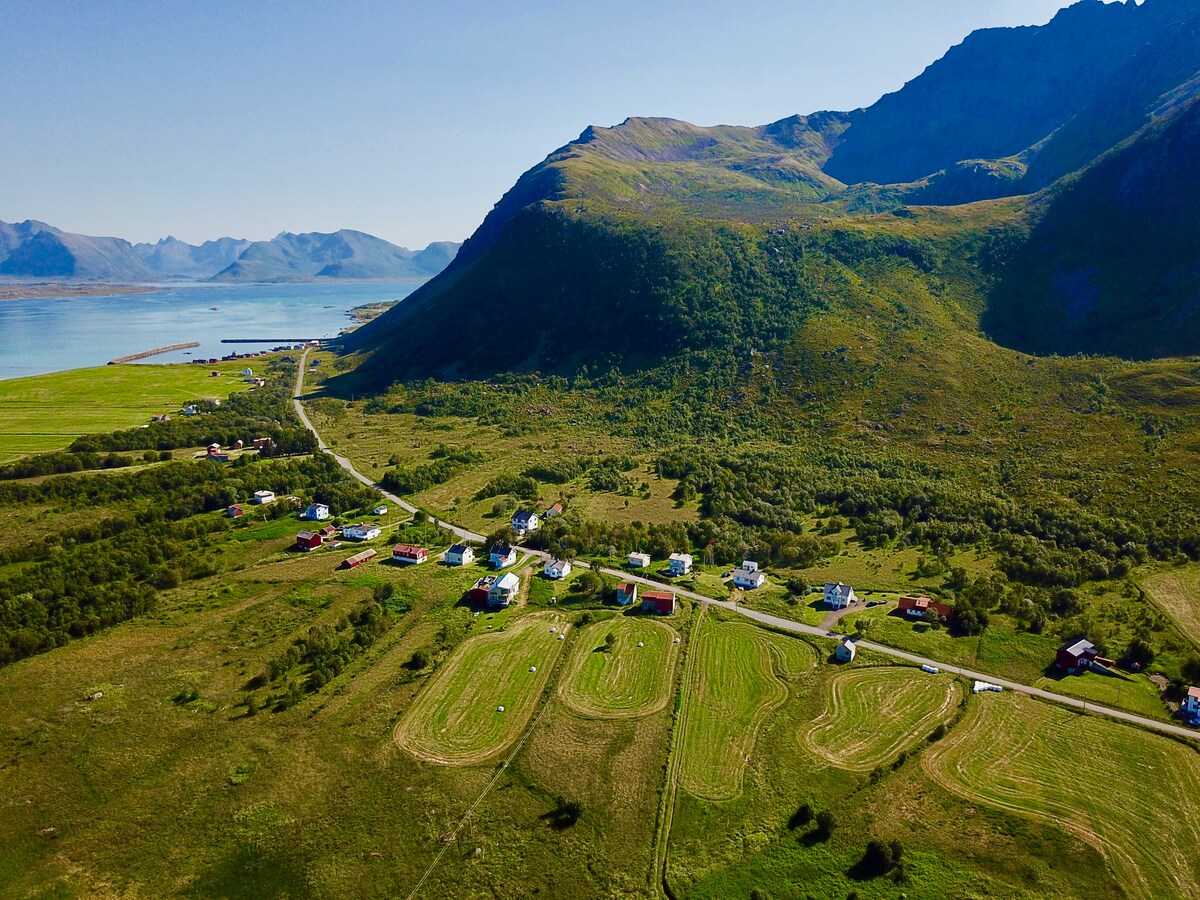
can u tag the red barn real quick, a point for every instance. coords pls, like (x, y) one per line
(329, 531)
(916, 607)
(235, 511)
(351, 562)
(659, 603)
(404, 553)
(308, 540)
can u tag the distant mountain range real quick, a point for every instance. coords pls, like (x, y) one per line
(32, 249)
(1039, 184)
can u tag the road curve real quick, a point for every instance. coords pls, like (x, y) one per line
(752, 614)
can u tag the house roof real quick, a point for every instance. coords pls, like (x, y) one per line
(557, 563)
(1078, 648)
(683, 557)
(556, 508)
(657, 595)
(458, 548)
(306, 535)
(1194, 692)
(523, 515)
(747, 573)
(502, 550)
(640, 555)
(408, 550)
(839, 588)
(506, 582)
(627, 587)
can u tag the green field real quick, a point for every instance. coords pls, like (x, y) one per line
(1178, 593)
(734, 688)
(46, 412)
(456, 719)
(1133, 796)
(627, 681)
(874, 714)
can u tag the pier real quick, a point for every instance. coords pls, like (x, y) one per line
(157, 350)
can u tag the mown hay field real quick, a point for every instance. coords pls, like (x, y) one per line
(625, 681)
(1131, 795)
(874, 714)
(1178, 593)
(456, 720)
(735, 686)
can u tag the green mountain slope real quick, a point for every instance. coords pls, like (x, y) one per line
(1113, 265)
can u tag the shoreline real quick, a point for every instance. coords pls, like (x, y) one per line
(57, 290)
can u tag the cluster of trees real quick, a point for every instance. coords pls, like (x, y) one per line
(414, 479)
(325, 651)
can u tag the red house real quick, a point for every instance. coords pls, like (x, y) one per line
(482, 588)
(351, 562)
(1076, 656)
(404, 553)
(916, 607)
(329, 531)
(308, 540)
(235, 511)
(658, 603)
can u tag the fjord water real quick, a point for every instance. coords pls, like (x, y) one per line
(51, 334)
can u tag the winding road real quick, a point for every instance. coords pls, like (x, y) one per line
(760, 617)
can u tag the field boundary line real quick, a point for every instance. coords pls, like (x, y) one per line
(666, 812)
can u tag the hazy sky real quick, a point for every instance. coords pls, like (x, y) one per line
(403, 119)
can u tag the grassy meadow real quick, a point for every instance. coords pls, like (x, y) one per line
(46, 412)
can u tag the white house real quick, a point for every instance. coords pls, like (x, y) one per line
(264, 497)
(460, 555)
(504, 590)
(839, 596)
(524, 521)
(190, 410)
(317, 511)
(361, 532)
(379, 511)
(503, 556)
(639, 560)
(845, 651)
(1190, 707)
(679, 564)
(557, 569)
(748, 576)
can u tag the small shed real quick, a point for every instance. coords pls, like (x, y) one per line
(845, 651)
(627, 593)
(235, 511)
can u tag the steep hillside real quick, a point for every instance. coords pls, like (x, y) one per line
(343, 254)
(33, 249)
(173, 258)
(1004, 92)
(1113, 265)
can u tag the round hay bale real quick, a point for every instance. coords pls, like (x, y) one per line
(533, 668)
(499, 709)
(640, 644)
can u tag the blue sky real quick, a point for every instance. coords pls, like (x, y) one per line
(407, 120)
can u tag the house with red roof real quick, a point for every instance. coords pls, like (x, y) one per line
(405, 553)
(916, 607)
(627, 593)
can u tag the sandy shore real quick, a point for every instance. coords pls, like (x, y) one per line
(67, 289)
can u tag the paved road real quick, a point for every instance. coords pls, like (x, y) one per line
(755, 615)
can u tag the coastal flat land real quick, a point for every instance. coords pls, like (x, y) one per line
(46, 412)
(47, 289)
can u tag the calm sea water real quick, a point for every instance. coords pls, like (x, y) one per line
(49, 335)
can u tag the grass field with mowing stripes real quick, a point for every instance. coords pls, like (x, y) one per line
(626, 681)
(456, 719)
(875, 713)
(734, 689)
(1178, 593)
(1133, 796)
